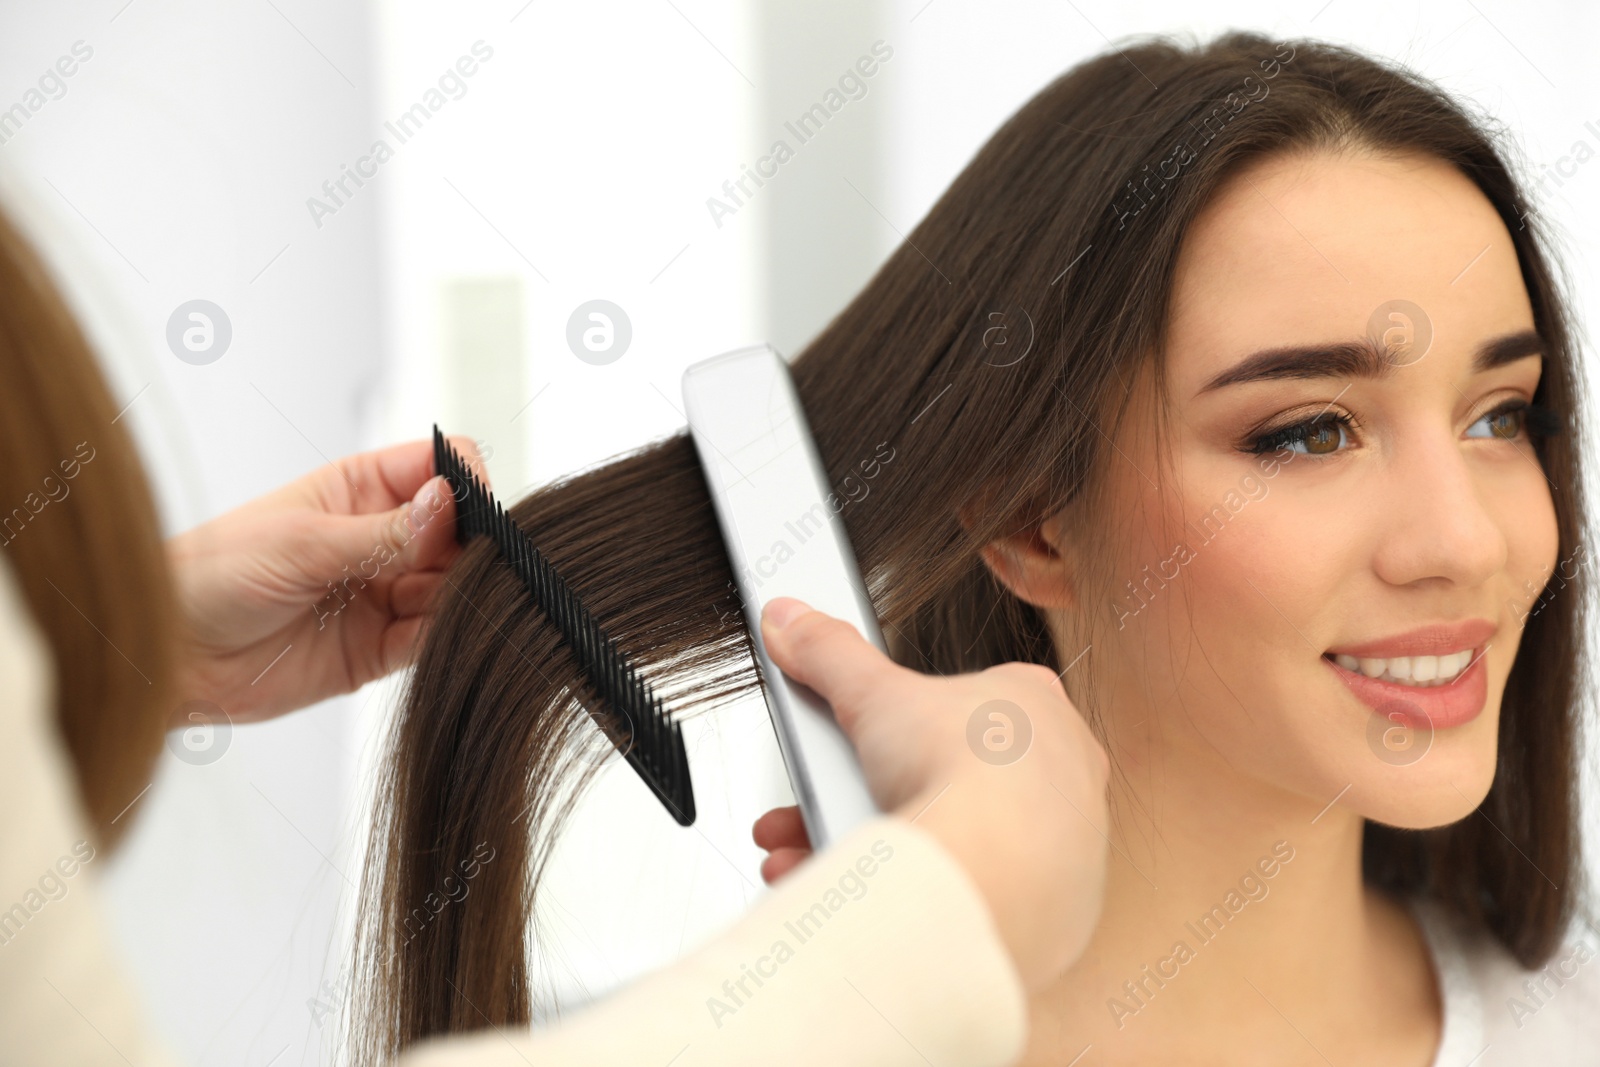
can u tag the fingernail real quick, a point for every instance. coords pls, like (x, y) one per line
(428, 495)
(784, 610)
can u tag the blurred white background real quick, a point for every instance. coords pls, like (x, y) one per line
(573, 164)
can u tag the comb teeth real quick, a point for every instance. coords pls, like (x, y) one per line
(636, 723)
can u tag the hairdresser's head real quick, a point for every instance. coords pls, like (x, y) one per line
(1020, 395)
(1245, 562)
(79, 530)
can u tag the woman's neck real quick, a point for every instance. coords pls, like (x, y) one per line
(1236, 918)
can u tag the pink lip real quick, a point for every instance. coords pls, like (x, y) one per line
(1429, 708)
(1434, 640)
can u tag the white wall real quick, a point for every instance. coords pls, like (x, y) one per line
(176, 166)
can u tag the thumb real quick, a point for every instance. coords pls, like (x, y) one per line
(827, 654)
(401, 534)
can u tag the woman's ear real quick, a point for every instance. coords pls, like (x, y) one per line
(1034, 563)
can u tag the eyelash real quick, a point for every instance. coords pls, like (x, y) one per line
(1536, 419)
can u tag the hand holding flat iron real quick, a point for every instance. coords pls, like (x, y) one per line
(1030, 830)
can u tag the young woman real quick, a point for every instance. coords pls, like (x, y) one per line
(1234, 384)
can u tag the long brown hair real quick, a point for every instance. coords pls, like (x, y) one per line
(1071, 216)
(79, 527)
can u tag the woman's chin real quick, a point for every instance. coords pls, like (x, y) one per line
(1443, 785)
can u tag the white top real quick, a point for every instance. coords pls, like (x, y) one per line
(877, 952)
(1498, 1015)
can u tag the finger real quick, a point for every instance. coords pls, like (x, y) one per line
(416, 535)
(413, 593)
(397, 647)
(385, 478)
(827, 654)
(427, 528)
(782, 862)
(781, 828)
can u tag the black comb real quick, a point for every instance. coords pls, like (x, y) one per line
(636, 722)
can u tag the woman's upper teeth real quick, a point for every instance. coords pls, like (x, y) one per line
(1409, 670)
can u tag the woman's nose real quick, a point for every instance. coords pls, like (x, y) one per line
(1439, 516)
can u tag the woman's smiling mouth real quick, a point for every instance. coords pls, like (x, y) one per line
(1420, 671)
(1432, 677)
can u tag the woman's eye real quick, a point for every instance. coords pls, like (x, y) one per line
(1328, 434)
(1505, 422)
(1314, 437)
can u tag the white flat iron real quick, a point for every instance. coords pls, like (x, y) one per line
(783, 538)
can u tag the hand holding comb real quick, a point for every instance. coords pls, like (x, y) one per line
(635, 720)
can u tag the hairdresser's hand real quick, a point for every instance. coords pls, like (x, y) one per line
(1027, 826)
(317, 588)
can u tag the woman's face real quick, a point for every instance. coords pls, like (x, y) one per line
(1256, 573)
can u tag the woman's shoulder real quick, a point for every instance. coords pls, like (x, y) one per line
(1498, 1012)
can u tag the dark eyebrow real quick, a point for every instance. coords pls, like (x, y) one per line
(1358, 359)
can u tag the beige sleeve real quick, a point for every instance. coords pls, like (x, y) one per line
(64, 996)
(877, 951)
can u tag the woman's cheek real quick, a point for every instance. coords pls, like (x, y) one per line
(1259, 584)
(1536, 569)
